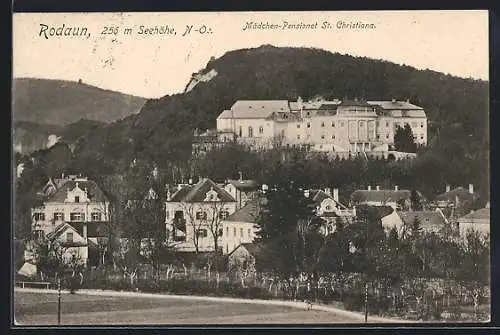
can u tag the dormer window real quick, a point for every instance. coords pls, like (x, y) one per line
(69, 237)
(322, 124)
(77, 199)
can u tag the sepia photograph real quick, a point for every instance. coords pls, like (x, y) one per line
(250, 168)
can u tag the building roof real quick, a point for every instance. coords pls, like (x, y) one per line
(258, 109)
(427, 219)
(480, 214)
(244, 185)
(197, 192)
(382, 196)
(462, 193)
(399, 105)
(253, 249)
(248, 213)
(357, 103)
(94, 192)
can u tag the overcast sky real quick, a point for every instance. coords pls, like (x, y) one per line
(453, 42)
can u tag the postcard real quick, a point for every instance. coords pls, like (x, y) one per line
(250, 168)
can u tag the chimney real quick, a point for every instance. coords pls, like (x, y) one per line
(199, 179)
(396, 188)
(264, 188)
(407, 100)
(369, 188)
(393, 100)
(190, 181)
(336, 194)
(378, 188)
(471, 189)
(356, 99)
(62, 175)
(487, 205)
(169, 195)
(306, 193)
(448, 188)
(328, 191)
(241, 175)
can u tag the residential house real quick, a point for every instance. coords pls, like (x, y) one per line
(194, 211)
(430, 221)
(72, 245)
(245, 256)
(242, 190)
(240, 227)
(329, 208)
(455, 202)
(396, 198)
(72, 200)
(476, 220)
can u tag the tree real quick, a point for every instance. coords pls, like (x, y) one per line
(416, 201)
(403, 139)
(288, 225)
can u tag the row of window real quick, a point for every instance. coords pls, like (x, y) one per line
(74, 216)
(39, 234)
(204, 232)
(362, 124)
(250, 131)
(202, 215)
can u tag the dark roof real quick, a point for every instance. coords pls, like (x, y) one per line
(197, 192)
(359, 103)
(480, 214)
(318, 196)
(95, 194)
(94, 229)
(426, 218)
(248, 213)
(244, 184)
(380, 196)
(462, 193)
(253, 249)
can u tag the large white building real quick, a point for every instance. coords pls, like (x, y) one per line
(338, 126)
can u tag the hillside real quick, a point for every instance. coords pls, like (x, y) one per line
(457, 109)
(30, 136)
(60, 102)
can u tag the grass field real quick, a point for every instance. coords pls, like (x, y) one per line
(80, 309)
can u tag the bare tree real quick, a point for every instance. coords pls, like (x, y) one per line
(196, 221)
(214, 220)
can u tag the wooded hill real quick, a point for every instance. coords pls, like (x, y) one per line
(457, 109)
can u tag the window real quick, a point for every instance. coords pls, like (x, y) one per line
(241, 232)
(387, 136)
(240, 131)
(308, 125)
(58, 216)
(96, 216)
(234, 231)
(38, 234)
(328, 207)
(322, 124)
(77, 199)
(75, 216)
(387, 124)
(298, 137)
(249, 232)
(223, 214)
(227, 231)
(322, 137)
(342, 124)
(221, 231)
(421, 125)
(421, 137)
(201, 215)
(298, 125)
(201, 233)
(261, 130)
(378, 137)
(69, 237)
(333, 137)
(321, 146)
(39, 216)
(361, 123)
(308, 113)
(333, 124)
(250, 131)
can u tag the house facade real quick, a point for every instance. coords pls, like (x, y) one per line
(456, 202)
(476, 220)
(395, 198)
(430, 221)
(194, 212)
(325, 126)
(242, 190)
(73, 200)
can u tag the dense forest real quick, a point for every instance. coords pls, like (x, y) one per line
(457, 110)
